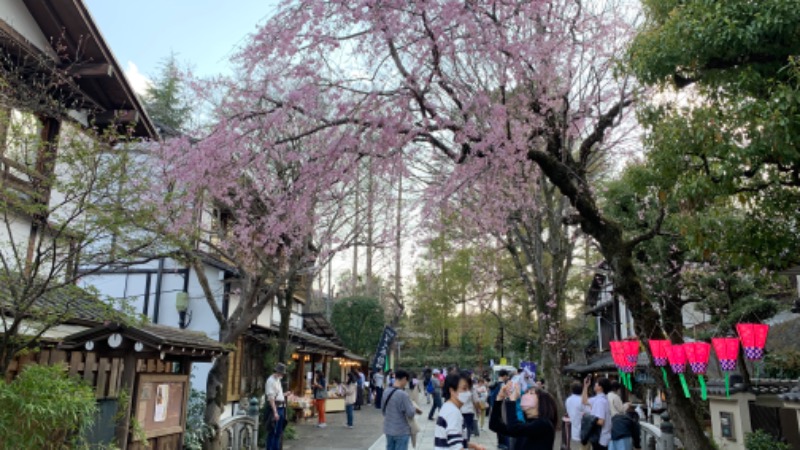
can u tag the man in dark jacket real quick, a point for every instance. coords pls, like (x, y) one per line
(625, 429)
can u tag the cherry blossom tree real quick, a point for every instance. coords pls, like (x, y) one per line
(248, 191)
(479, 85)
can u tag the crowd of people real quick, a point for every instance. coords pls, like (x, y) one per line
(518, 408)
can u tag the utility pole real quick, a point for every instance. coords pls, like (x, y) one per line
(357, 229)
(398, 245)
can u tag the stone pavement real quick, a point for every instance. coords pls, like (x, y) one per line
(368, 433)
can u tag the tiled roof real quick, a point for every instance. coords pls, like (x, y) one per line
(764, 386)
(154, 338)
(65, 305)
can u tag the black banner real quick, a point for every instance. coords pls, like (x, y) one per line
(382, 352)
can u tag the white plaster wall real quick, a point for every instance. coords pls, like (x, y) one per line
(132, 286)
(17, 16)
(738, 406)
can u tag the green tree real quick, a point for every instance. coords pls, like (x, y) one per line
(359, 322)
(165, 98)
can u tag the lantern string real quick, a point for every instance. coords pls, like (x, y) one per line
(664, 372)
(685, 386)
(703, 390)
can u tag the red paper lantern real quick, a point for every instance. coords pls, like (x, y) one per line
(677, 361)
(631, 350)
(658, 347)
(727, 350)
(677, 358)
(727, 353)
(697, 354)
(617, 353)
(754, 338)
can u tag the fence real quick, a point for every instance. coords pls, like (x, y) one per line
(241, 432)
(659, 438)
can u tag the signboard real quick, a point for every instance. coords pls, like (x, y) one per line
(382, 352)
(160, 404)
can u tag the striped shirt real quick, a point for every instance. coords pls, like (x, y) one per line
(450, 433)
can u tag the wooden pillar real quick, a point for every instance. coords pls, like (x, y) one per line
(45, 167)
(128, 384)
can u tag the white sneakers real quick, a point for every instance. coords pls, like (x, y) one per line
(322, 425)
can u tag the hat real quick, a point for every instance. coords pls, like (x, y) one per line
(436, 371)
(280, 368)
(528, 401)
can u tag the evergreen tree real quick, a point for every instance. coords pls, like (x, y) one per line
(165, 99)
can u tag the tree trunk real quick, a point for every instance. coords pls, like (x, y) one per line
(618, 252)
(286, 316)
(215, 398)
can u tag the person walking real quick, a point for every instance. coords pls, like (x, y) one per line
(320, 390)
(350, 396)
(426, 376)
(451, 432)
(538, 429)
(483, 403)
(276, 412)
(437, 393)
(359, 376)
(575, 410)
(468, 410)
(377, 381)
(397, 410)
(599, 409)
(502, 378)
(413, 388)
(625, 430)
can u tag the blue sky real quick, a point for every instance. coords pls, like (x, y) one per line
(202, 33)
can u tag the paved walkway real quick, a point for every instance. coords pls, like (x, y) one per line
(368, 433)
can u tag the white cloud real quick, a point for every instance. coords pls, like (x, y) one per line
(138, 81)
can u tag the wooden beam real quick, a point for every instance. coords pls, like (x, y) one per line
(128, 384)
(124, 116)
(91, 70)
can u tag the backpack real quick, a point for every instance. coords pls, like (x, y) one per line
(429, 389)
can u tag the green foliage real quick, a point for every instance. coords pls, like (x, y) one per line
(196, 428)
(359, 322)
(165, 99)
(761, 440)
(45, 409)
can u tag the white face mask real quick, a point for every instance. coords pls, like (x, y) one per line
(464, 397)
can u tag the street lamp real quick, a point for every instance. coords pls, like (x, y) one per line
(182, 305)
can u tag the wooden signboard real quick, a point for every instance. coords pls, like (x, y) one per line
(160, 404)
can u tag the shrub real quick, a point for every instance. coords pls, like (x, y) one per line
(196, 428)
(761, 440)
(45, 409)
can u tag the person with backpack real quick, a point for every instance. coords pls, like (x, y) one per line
(426, 379)
(397, 411)
(435, 389)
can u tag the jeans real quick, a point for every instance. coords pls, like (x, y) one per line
(378, 397)
(437, 403)
(621, 444)
(469, 422)
(349, 410)
(397, 442)
(274, 437)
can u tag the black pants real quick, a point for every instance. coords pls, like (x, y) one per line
(597, 446)
(378, 397)
(437, 403)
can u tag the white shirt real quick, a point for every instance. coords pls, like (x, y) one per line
(575, 411)
(274, 390)
(601, 410)
(615, 403)
(450, 433)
